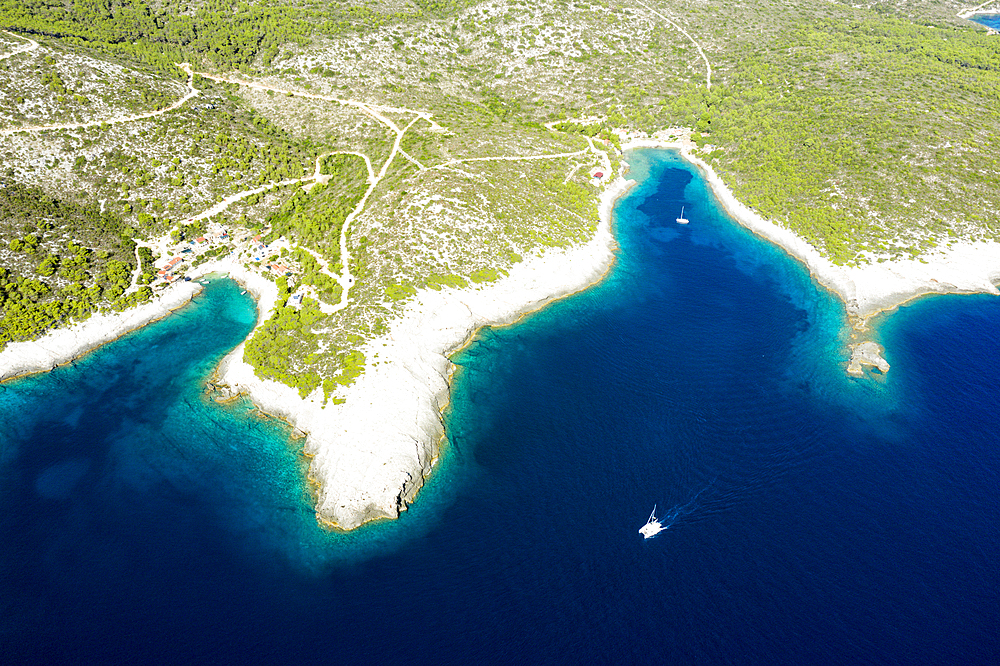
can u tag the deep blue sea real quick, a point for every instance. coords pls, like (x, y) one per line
(814, 518)
(989, 20)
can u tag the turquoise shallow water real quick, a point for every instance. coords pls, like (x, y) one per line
(813, 518)
(990, 20)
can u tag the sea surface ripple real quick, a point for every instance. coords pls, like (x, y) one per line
(812, 517)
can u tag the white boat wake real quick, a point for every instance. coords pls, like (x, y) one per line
(656, 525)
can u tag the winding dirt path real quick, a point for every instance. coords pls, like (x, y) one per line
(373, 110)
(708, 66)
(192, 92)
(345, 279)
(320, 178)
(316, 177)
(508, 158)
(968, 13)
(239, 196)
(603, 154)
(30, 46)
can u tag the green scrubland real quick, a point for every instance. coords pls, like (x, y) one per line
(61, 261)
(872, 132)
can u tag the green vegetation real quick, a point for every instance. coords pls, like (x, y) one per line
(315, 217)
(328, 288)
(274, 346)
(592, 130)
(486, 275)
(867, 132)
(227, 35)
(161, 34)
(438, 281)
(353, 366)
(398, 292)
(283, 349)
(146, 260)
(888, 122)
(62, 262)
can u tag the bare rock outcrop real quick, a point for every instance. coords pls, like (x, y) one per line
(866, 354)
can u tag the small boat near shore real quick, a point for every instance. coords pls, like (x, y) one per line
(652, 527)
(682, 219)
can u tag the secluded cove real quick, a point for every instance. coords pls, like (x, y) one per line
(813, 517)
(137, 412)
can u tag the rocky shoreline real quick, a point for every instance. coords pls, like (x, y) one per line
(961, 268)
(62, 345)
(371, 453)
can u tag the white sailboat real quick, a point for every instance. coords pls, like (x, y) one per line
(652, 526)
(682, 219)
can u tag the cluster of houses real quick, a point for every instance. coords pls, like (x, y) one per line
(165, 272)
(258, 248)
(218, 236)
(259, 251)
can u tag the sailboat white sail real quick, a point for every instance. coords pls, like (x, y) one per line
(682, 219)
(652, 526)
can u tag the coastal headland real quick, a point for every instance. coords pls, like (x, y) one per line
(372, 451)
(373, 448)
